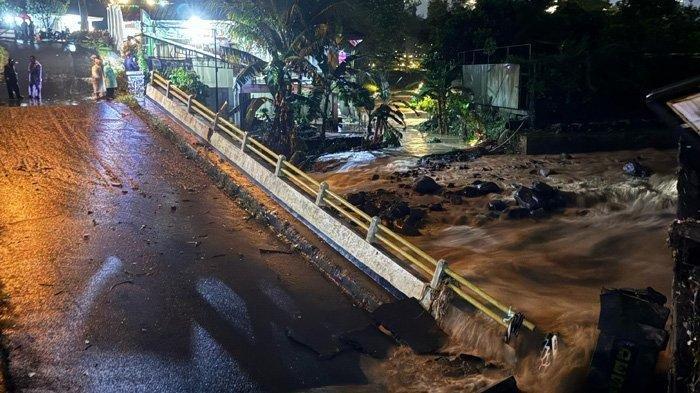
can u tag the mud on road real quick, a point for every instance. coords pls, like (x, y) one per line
(127, 269)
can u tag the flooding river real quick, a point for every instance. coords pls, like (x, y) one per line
(552, 269)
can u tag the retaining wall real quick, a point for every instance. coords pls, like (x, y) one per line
(383, 269)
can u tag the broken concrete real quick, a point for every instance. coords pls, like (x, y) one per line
(369, 340)
(411, 324)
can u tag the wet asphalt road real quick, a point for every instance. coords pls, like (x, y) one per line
(127, 269)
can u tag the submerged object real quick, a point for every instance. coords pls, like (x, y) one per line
(632, 333)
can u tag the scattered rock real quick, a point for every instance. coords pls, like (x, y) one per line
(515, 213)
(493, 214)
(540, 196)
(426, 185)
(545, 172)
(455, 199)
(565, 156)
(487, 187)
(413, 222)
(396, 211)
(498, 205)
(471, 192)
(539, 213)
(436, 207)
(508, 385)
(461, 365)
(634, 168)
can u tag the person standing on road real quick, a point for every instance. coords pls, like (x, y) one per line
(97, 73)
(10, 74)
(110, 80)
(35, 78)
(25, 30)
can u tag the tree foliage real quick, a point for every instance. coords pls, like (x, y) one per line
(591, 59)
(47, 10)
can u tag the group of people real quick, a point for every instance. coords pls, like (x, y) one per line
(103, 76)
(35, 74)
(27, 33)
(104, 79)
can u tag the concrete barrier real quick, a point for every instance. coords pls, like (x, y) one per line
(380, 267)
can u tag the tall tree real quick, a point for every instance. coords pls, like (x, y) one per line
(289, 31)
(82, 6)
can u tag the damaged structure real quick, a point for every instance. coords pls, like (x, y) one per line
(679, 106)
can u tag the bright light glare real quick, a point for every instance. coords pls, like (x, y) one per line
(151, 3)
(198, 30)
(551, 9)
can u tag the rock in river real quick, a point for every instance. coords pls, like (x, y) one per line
(634, 168)
(426, 185)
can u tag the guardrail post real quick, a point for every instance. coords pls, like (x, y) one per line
(167, 90)
(189, 103)
(278, 167)
(216, 119)
(245, 141)
(321, 193)
(372, 230)
(431, 290)
(438, 274)
(152, 76)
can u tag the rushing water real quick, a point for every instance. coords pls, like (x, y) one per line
(613, 234)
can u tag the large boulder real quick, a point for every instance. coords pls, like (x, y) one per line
(480, 188)
(487, 187)
(396, 211)
(540, 196)
(498, 205)
(413, 222)
(426, 185)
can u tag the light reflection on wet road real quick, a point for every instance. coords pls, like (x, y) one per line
(129, 270)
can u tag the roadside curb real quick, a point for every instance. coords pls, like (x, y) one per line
(264, 209)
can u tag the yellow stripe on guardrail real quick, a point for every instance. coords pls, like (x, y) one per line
(397, 245)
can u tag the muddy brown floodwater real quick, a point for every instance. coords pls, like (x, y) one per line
(612, 235)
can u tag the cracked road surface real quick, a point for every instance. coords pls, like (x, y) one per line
(127, 269)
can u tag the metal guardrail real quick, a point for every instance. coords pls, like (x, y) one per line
(372, 228)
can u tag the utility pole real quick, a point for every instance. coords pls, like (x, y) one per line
(216, 70)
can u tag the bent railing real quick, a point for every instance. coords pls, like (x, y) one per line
(370, 227)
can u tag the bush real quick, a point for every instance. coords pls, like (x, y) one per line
(98, 40)
(187, 81)
(4, 56)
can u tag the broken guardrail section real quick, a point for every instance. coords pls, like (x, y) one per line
(389, 257)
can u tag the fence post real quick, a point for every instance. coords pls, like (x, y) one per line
(167, 90)
(152, 76)
(372, 230)
(321, 193)
(278, 167)
(438, 274)
(244, 143)
(216, 117)
(189, 103)
(431, 291)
